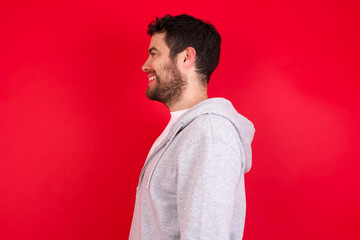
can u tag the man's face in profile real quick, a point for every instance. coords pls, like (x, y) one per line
(166, 83)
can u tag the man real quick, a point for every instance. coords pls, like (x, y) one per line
(192, 183)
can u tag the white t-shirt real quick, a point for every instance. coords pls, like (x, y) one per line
(174, 116)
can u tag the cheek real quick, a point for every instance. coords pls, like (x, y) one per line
(158, 68)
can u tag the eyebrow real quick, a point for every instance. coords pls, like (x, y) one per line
(153, 48)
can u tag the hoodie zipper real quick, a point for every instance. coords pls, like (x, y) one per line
(168, 142)
(147, 163)
(162, 147)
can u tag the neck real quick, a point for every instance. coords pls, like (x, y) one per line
(187, 101)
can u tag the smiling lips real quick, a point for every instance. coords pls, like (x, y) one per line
(151, 76)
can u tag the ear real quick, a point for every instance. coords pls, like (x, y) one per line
(188, 57)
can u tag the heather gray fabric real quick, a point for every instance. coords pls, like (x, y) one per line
(192, 185)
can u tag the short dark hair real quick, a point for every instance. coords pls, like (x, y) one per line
(184, 31)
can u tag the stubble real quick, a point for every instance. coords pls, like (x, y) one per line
(168, 89)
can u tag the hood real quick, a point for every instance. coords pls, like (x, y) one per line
(224, 108)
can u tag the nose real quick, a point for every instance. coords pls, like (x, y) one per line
(146, 67)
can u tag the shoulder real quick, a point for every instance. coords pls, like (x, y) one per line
(210, 126)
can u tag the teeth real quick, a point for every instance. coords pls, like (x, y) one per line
(152, 78)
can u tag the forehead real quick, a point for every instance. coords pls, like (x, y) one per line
(158, 42)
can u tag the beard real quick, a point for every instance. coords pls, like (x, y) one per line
(169, 88)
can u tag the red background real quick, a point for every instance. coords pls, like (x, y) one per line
(76, 126)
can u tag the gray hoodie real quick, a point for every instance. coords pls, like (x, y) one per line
(192, 185)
